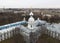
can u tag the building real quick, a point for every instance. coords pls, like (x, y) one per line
(30, 30)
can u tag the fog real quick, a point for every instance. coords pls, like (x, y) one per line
(29, 3)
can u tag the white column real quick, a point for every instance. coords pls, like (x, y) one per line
(2, 36)
(11, 33)
(57, 36)
(53, 34)
(6, 35)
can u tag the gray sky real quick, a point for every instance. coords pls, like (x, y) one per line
(30, 3)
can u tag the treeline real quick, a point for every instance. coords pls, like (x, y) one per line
(52, 19)
(10, 17)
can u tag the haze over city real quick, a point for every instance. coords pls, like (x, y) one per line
(29, 3)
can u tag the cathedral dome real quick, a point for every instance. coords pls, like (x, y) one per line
(31, 20)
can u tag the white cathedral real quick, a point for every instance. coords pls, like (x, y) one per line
(34, 26)
(31, 31)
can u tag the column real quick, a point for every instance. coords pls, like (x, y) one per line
(6, 35)
(2, 36)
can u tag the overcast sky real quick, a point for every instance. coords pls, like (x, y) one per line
(30, 3)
